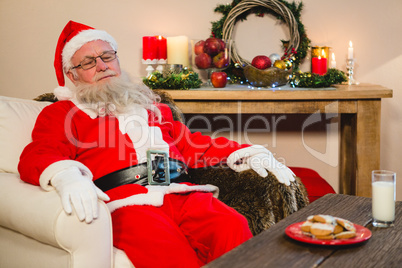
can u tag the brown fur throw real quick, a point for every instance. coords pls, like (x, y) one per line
(46, 97)
(263, 201)
(167, 99)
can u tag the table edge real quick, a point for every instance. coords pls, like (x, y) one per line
(341, 92)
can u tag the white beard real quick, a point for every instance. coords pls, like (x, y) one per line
(127, 101)
(116, 95)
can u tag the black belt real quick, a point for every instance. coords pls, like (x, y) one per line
(138, 174)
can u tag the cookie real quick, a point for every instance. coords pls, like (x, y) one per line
(346, 224)
(307, 234)
(327, 227)
(325, 237)
(323, 218)
(345, 235)
(305, 227)
(338, 229)
(321, 229)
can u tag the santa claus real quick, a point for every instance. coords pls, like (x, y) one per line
(110, 139)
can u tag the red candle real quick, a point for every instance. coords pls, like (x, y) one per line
(319, 65)
(149, 48)
(161, 47)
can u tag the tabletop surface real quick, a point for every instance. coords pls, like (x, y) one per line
(240, 92)
(273, 248)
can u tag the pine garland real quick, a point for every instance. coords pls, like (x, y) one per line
(184, 80)
(311, 80)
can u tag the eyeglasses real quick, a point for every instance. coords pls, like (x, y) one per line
(90, 62)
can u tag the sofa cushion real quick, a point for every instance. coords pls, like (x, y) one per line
(17, 118)
(316, 185)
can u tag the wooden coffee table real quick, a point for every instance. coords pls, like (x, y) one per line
(273, 248)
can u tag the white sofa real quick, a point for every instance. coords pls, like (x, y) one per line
(34, 229)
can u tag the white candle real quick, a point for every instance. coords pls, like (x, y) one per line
(333, 62)
(177, 50)
(383, 201)
(350, 51)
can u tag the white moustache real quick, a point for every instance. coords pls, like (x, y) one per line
(102, 75)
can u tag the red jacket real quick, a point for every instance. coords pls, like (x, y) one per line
(64, 132)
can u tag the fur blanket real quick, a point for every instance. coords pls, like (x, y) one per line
(263, 201)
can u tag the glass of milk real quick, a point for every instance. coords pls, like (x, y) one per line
(383, 203)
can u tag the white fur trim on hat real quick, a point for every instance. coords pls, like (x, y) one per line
(63, 93)
(81, 39)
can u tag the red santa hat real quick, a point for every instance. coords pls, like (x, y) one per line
(72, 38)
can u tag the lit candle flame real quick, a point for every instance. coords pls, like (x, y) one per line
(333, 56)
(323, 53)
(350, 44)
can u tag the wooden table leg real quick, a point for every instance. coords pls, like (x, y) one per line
(347, 154)
(360, 148)
(368, 128)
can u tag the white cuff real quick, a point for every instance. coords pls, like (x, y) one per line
(59, 166)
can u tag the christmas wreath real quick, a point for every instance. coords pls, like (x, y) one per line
(295, 49)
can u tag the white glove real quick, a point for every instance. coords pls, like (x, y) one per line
(77, 189)
(260, 160)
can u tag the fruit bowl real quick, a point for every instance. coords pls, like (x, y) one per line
(210, 55)
(270, 77)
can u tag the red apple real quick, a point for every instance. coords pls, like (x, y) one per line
(223, 45)
(220, 61)
(199, 47)
(219, 79)
(261, 62)
(203, 61)
(212, 46)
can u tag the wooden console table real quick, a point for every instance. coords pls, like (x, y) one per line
(359, 107)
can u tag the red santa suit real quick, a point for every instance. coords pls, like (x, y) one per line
(151, 223)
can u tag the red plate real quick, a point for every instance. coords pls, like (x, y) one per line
(294, 232)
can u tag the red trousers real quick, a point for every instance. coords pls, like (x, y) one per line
(189, 230)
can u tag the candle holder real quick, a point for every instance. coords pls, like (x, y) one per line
(350, 66)
(169, 69)
(154, 51)
(318, 51)
(149, 68)
(319, 60)
(161, 63)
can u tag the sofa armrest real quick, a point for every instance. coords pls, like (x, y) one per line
(38, 214)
